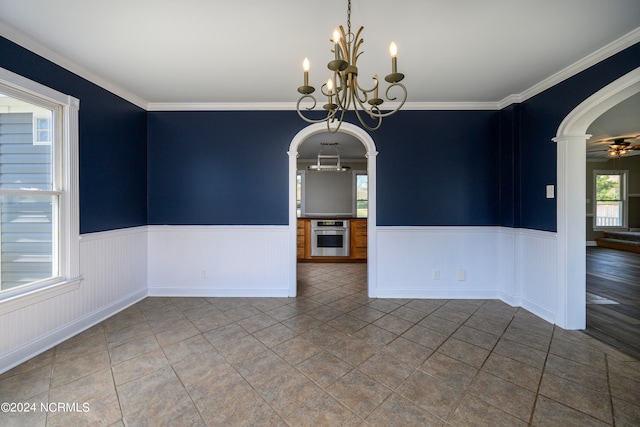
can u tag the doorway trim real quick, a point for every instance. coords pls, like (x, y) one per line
(571, 139)
(371, 154)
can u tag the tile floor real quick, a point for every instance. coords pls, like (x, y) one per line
(330, 357)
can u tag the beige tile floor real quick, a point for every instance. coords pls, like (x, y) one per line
(330, 357)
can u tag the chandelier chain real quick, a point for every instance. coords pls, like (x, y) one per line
(349, 17)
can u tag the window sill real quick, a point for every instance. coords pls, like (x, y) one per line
(610, 228)
(21, 300)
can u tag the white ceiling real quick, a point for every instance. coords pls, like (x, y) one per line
(622, 121)
(249, 53)
(349, 147)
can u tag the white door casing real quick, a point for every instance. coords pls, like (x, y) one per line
(371, 154)
(571, 141)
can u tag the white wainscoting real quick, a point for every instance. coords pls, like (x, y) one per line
(113, 266)
(219, 261)
(535, 260)
(122, 267)
(515, 265)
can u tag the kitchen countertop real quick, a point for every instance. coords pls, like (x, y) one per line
(328, 217)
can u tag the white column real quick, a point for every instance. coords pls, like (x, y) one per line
(571, 211)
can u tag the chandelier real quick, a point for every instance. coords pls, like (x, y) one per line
(344, 92)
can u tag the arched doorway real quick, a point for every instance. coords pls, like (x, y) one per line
(371, 154)
(571, 141)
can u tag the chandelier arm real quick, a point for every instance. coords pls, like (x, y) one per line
(365, 91)
(340, 120)
(329, 116)
(342, 99)
(356, 92)
(304, 97)
(372, 115)
(395, 110)
(344, 43)
(356, 47)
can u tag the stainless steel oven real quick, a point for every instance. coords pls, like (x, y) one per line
(329, 237)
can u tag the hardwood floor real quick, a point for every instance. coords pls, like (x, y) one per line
(613, 297)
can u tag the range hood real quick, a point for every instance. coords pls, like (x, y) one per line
(329, 162)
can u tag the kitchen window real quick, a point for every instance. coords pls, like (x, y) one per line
(39, 235)
(610, 195)
(299, 178)
(362, 194)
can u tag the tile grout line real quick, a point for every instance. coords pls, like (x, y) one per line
(113, 378)
(544, 368)
(613, 412)
(466, 392)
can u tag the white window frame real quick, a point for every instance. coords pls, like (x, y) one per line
(66, 167)
(356, 174)
(301, 174)
(624, 176)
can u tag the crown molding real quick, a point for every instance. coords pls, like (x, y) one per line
(590, 60)
(450, 106)
(14, 35)
(291, 106)
(220, 106)
(11, 33)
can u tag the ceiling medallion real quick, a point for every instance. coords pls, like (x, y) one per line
(344, 91)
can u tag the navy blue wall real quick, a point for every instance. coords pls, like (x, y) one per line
(434, 167)
(509, 154)
(541, 116)
(438, 168)
(226, 168)
(112, 143)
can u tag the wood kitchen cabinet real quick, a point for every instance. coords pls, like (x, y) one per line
(358, 238)
(302, 238)
(357, 242)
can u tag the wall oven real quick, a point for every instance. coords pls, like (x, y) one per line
(329, 238)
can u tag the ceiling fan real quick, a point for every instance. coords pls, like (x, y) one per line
(620, 146)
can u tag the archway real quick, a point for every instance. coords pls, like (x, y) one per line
(371, 154)
(571, 141)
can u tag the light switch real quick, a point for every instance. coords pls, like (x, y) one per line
(551, 191)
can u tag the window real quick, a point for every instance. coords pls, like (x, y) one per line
(362, 194)
(610, 208)
(42, 128)
(38, 186)
(299, 178)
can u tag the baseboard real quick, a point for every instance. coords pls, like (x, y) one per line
(531, 307)
(55, 337)
(214, 293)
(437, 294)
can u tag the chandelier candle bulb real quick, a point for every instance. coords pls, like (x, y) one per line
(393, 49)
(305, 67)
(375, 90)
(305, 89)
(336, 42)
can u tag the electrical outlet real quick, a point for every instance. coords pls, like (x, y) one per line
(462, 275)
(436, 274)
(203, 274)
